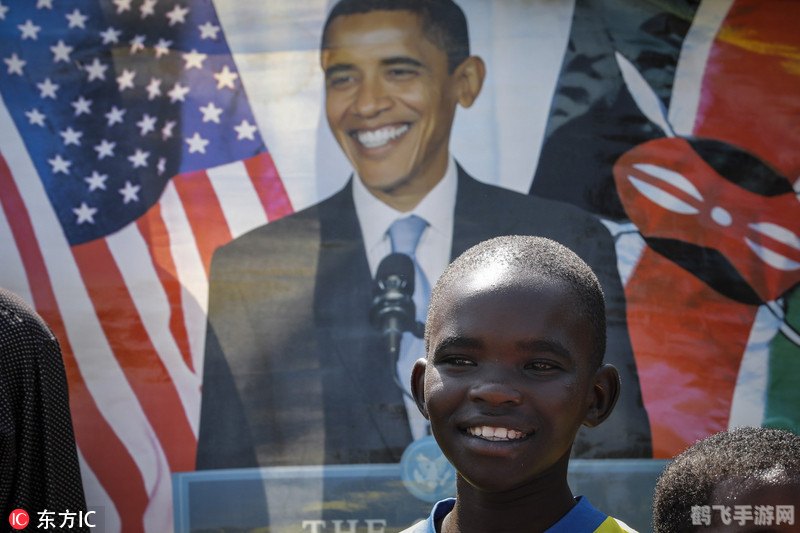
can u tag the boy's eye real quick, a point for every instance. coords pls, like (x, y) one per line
(457, 360)
(541, 366)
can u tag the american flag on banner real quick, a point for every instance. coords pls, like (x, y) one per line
(129, 153)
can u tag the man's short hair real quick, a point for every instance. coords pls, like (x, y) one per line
(443, 22)
(536, 257)
(746, 456)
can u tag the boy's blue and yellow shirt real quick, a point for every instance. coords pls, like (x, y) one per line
(583, 518)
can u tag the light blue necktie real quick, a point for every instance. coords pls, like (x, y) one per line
(405, 234)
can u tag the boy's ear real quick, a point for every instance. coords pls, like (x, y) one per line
(418, 385)
(604, 395)
(470, 75)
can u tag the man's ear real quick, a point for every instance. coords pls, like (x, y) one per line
(418, 385)
(470, 75)
(603, 396)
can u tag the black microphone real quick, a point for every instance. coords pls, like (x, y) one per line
(393, 311)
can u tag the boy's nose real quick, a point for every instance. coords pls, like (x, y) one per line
(495, 393)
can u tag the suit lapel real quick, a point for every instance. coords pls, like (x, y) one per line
(477, 216)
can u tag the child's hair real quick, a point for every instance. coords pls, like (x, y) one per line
(748, 456)
(443, 22)
(540, 258)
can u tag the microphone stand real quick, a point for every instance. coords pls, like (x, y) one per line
(393, 310)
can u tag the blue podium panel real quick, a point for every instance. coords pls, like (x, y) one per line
(370, 498)
(314, 499)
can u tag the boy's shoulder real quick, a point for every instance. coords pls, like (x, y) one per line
(428, 525)
(584, 517)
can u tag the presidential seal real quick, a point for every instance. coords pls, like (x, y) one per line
(426, 472)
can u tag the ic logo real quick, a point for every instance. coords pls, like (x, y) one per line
(18, 519)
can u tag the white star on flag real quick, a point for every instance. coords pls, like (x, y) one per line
(125, 80)
(85, 213)
(148, 8)
(29, 30)
(137, 44)
(60, 164)
(15, 64)
(225, 78)
(245, 130)
(162, 47)
(96, 181)
(82, 106)
(166, 131)
(47, 89)
(71, 136)
(194, 59)
(139, 158)
(153, 88)
(197, 144)
(115, 116)
(110, 35)
(77, 19)
(105, 149)
(177, 15)
(208, 31)
(35, 117)
(178, 93)
(96, 70)
(146, 124)
(211, 112)
(122, 5)
(130, 193)
(44, 3)
(61, 51)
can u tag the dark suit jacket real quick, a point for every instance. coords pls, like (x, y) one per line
(294, 372)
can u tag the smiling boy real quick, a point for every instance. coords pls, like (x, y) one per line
(515, 342)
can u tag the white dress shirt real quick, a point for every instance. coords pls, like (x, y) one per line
(432, 254)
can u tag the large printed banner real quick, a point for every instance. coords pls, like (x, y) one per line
(139, 137)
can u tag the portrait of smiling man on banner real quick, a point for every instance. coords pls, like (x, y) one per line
(295, 371)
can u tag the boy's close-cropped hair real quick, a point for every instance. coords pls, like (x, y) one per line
(443, 22)
(539, 257)
(723, 469)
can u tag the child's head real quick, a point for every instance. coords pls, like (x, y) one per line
(515, 339)
(756, 469)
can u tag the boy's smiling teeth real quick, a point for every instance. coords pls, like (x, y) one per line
(379, 137)
(492, 433)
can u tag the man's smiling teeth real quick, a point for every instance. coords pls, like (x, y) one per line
(378, 138)
(490, 433)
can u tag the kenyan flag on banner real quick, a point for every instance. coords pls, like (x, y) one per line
(676, 123)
